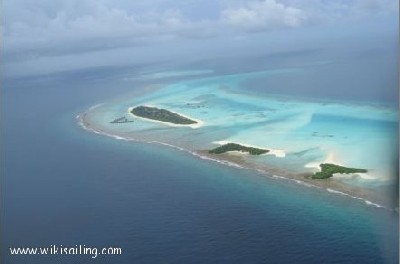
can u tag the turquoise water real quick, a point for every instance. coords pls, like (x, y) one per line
(63, 185)
(305, 132)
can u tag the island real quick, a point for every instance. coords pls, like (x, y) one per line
(328, 169)
(161, 115)
(121, 120)
(237, 147)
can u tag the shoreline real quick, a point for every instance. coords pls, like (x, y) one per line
(198, 124)
(237, 161)
(279, 153)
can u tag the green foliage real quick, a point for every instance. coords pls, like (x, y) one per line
(236, 147)
(328, 169)
(121, 120)
(161, 115)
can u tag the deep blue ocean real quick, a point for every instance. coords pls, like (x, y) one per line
(62, 185)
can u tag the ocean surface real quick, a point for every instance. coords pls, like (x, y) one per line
(307, 132)
(62, 185)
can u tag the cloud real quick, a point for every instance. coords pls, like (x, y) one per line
(35, 28)
(377, 6)
(88, 25)
(348, 11)
(263, 15)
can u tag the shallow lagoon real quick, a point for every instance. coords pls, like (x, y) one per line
(62, 185)
(308, 131)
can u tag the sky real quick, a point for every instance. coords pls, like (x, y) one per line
(45, 36)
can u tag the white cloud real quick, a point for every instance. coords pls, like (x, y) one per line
(89, 25)
(377, 6)
(263, 15)
(347, 11)
(33, 28)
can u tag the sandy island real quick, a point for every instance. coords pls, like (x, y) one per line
(198, 124)
(331, 185)
(279, 153)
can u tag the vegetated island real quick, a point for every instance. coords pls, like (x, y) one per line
(328, 169)
(237, 147)
(161, 115)
(121, 120)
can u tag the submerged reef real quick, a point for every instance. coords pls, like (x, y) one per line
(121, 120)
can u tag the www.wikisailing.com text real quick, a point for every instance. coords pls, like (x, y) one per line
(61, 250)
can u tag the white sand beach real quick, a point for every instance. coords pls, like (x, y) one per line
(198, 124)
(279, 153)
